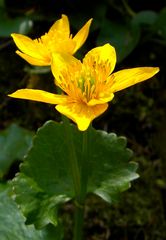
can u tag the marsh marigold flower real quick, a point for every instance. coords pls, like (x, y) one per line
(39, 51)
(88, 86)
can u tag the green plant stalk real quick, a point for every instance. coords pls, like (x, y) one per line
(84, 165)
(75, 171)
(80, 177)
(78, 222)
(128, 8)
(79, 205)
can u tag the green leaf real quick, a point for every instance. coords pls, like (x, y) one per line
(123, 37)
(2, 3)
(38, 207)
(111, 169)
(12, 222)
(21, 25)
(160, 25)
(45, 180)
(14, 144)
(145, 17)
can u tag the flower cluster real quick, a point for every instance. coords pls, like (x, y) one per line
(87, 85)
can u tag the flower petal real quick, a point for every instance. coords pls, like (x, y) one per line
(101, 100)
(101, 57)
(62, 26)
(32, 49)
(81, 114)
(26, 45)
(62, 45)
(39, 95)
(82, 35)
(63, 63)
(35, 61)
(128, 77)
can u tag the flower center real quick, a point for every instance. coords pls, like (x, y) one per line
(85, 82)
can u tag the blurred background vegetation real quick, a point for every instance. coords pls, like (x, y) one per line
(137, 29)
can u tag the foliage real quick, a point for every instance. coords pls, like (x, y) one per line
(14, 144)
(39, 197)
(12, 222)
(8, 25)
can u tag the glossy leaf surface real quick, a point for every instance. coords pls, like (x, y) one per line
(12, 222)
(45, 180)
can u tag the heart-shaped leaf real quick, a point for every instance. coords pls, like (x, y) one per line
(45, 180)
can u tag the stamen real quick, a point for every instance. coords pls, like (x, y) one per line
(88, 82)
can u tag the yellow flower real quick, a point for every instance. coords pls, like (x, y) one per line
(58, 39)
(88, 86)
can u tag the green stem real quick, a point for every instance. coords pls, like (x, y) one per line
(75, 171)
(128, 8)
(79, 176)
(79, 205)
(76, 176)
(84, 166)
(79, 221)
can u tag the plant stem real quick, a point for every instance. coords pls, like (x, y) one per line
(84, 166)
(80, 178)
(75, 171)
(77, 179)
(80, 203)
(79, 221)
(128, 8)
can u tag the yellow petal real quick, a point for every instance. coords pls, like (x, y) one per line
(128, 77)
(35, 61)
(26, 45)
(39, 95)
(31, 48)
(101, 57)
(94, 102)
(63, 63)
(81, 114)
(82, 35)
(61, 26)
(62, 45)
